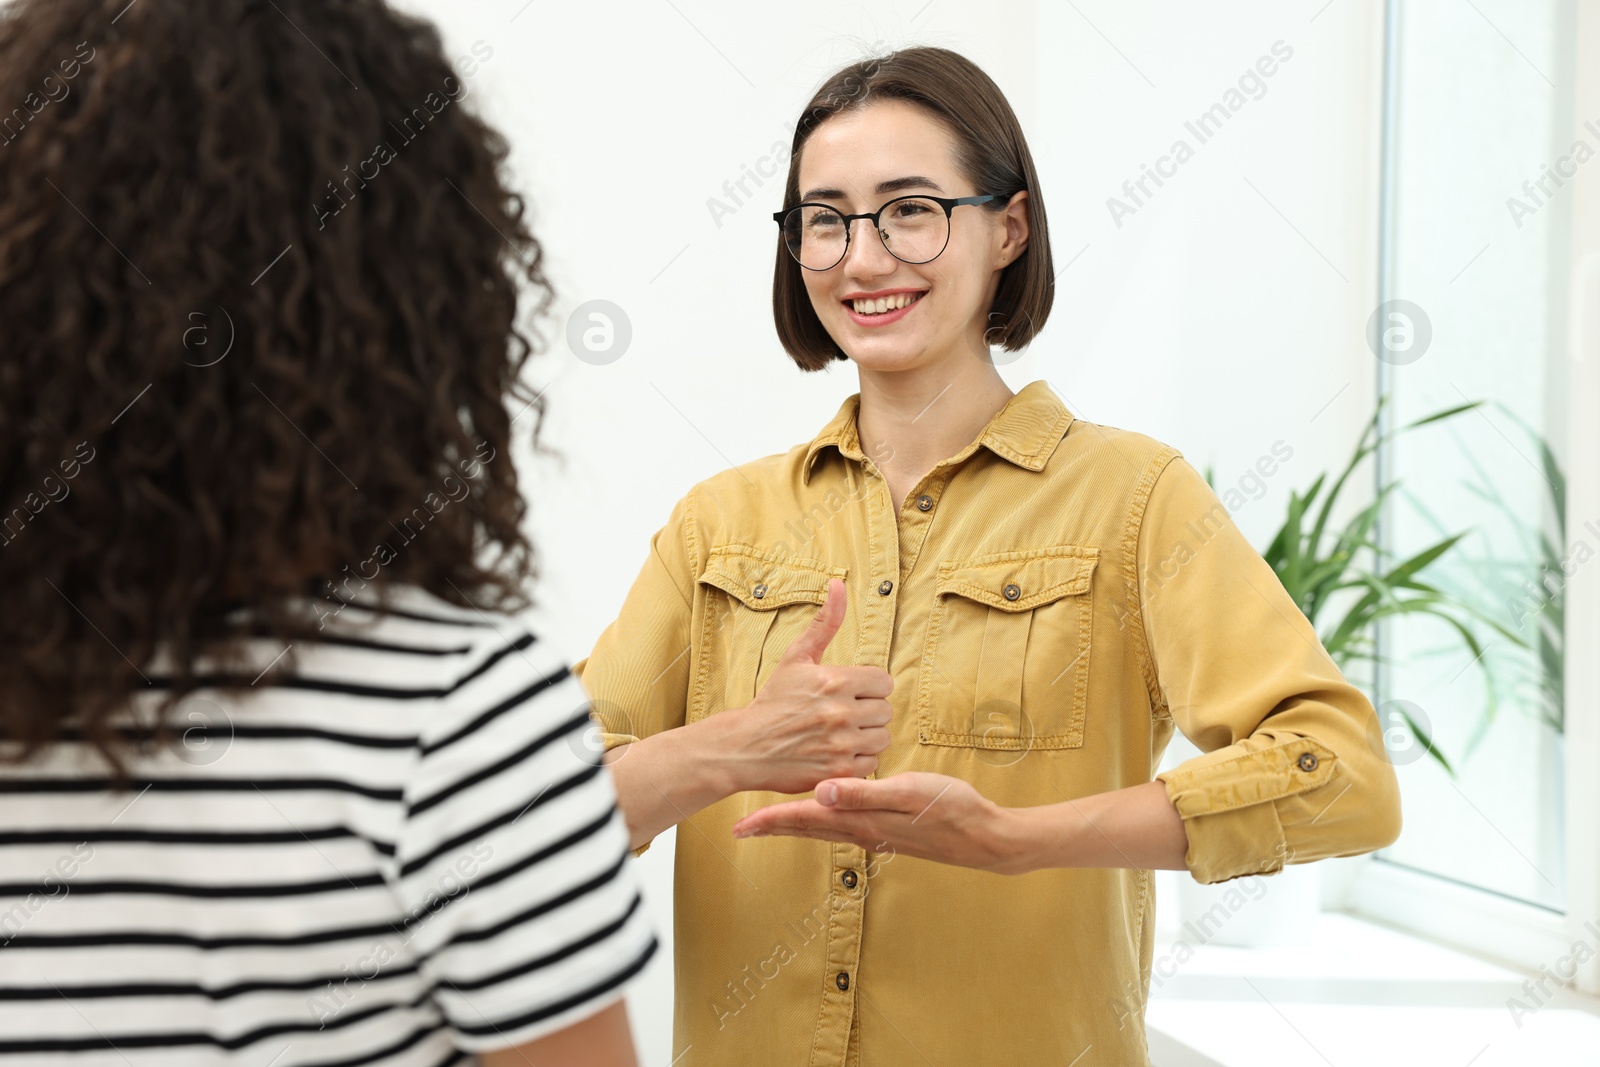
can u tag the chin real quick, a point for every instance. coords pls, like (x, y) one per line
(887, 357)
(884, 353)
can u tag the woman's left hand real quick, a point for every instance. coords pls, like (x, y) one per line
(930, 816)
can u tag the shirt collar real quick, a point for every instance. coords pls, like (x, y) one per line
(1025, 431)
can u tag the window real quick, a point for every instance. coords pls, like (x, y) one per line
(1485, 146)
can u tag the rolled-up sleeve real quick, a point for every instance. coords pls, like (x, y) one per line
(637, 674)
(1293, 767)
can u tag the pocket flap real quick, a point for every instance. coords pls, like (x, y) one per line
(1019, 581)
(765, 584)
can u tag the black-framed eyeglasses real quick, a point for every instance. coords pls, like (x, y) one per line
(915, 229)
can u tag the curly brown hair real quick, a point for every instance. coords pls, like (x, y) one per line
(259, 280)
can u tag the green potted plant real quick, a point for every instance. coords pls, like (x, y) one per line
(1315, 563)
(1527, 583)
(1345, 583)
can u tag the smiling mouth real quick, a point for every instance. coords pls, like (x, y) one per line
(884, 304)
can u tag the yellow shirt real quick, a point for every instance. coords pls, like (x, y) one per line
(1051, 601)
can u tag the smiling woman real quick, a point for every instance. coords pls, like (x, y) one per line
(982, 147)
(996, 694)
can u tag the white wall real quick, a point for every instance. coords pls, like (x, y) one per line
(1207, 319)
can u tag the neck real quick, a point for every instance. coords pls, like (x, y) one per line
(911, 420)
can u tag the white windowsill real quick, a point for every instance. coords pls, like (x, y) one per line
(1359, 994)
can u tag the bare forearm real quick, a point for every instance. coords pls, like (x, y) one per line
(667, 777)
(604, 1039)
(1135, 827)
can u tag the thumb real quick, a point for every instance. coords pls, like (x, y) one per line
(852, 793)
(809, 646)
(898, 792)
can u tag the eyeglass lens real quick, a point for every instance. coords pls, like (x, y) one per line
(914, 230)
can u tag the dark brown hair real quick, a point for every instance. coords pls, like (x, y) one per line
(258, 279)
(992, 154)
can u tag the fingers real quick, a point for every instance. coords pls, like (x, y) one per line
(866, 681)
(802, 818)
(787, 817)
(873, 741)
(872, 713)
(810, 645)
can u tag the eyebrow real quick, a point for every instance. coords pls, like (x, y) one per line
(893, 185)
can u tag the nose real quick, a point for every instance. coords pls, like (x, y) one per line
(866, 253)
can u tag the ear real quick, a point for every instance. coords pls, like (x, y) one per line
(1014, 230)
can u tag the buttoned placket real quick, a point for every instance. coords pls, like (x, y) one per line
(894, 541)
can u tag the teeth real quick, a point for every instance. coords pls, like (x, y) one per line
(883, 303)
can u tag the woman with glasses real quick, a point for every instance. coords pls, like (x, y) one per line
(905, 686)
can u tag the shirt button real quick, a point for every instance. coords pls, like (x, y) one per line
(842, 980)
(1308, 761)
(1012, 591)
(924, 502)
(849, 879)
(760, 590)
(885, 587)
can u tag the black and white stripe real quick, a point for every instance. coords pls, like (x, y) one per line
(406, 853)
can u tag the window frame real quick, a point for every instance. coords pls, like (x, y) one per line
(1503, 928)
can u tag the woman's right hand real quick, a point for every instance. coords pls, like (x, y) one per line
(813, 721)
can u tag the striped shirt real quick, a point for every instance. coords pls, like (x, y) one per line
(403, 854)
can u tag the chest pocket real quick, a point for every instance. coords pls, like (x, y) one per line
(755, 608)
(1006, 663)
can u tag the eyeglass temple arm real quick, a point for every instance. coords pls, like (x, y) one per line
(948, 202)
